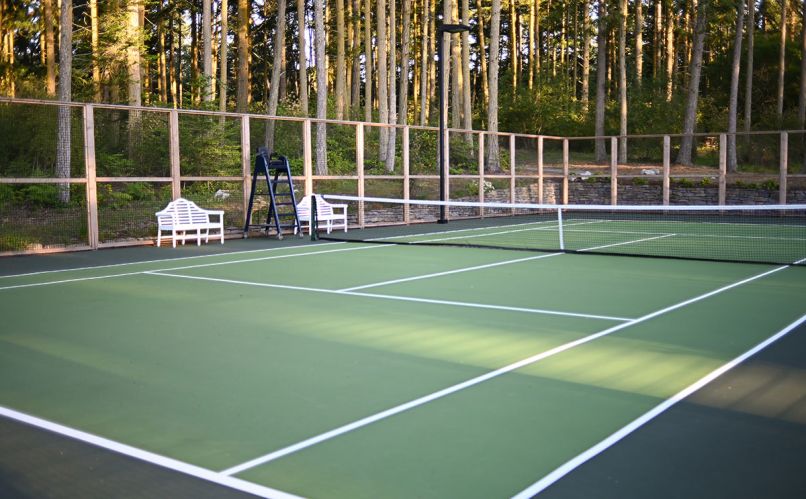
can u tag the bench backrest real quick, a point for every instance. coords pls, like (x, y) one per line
(323, 208)
(185, 212)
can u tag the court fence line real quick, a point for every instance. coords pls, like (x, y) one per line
(525, 169)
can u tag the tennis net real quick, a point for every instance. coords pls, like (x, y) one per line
(771, 234)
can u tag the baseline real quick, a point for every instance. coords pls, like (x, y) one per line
(150, 457)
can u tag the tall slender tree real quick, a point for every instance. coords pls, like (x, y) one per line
(276, 69)
(383, 82)
(622, 80)
(781, 65)
(341, 72)
(748, 87)
(493, 162)
(222, 58)
(321, 87)
(690, 116)
(207, 51)
(639, 42)
(242, 96)
(50, 46)
(302, 57)
(65, 89)
(601, 80)
(733, 101)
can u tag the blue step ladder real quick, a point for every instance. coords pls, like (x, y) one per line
(280, 198)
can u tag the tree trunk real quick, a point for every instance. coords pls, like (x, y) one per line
(657, 38)
(303, 58)
(690, 117)
(341, 73)
(781, 65)
(405, 61)
(424, 56)
(133, 36)
(64, 136)
(513, 44)
(242, 103)
(222, 58)
(392, 132)
(532, 44)
(276, 69)
(383, 80)
(733, 102)
(368, 60)
(485, 80)
(802, 93)
(493, 163)
(207, 51)
(639, 43)
(467, 105)
(456, 71)
(748, 87)
(96, 65)
(622, 80)
(670, 57)
(321, 87)
(601, 80)
(586, 41)
(355, 98)
(50, 46)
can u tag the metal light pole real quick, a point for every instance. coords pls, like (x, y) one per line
(443, 111)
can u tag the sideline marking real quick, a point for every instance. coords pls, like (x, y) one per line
(201, 265)
(627, 242)
(392, 297)
(637, 423)
(144, 455)
(156, 261)
(479, 379)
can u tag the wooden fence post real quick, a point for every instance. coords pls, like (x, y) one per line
(246, 156)
(359, 165)
(540, 170)
(512, 196)
(307, 157)
(613, 171)
(667, 147)
(566, 183)
(90, 167)
(481, 172)
(173, 151)
(723, 168)
(406, 180)
(783, 163)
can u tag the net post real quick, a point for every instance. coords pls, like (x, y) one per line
(90, 167)
(173, 150)
(667, 147)
(307, 157)
(540, 170)
(481, 172)
(560, 227)
(566, 185)
(783, 162)
(614, 171)
(359, 164)
(723, 168)
(246, 156)
(314, 219)
(406, 180)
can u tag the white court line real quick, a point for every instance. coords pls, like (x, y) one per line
(186, 267)
(144, 455)
(449, 272)
(690, 234)
(637, 423)
(479, 379)
(487, 234)
(392, 297)
(158, 260)
(627, 242)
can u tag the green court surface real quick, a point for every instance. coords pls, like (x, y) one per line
(354, 370)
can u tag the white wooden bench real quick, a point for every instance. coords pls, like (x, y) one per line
(182, 216)
(334, 215)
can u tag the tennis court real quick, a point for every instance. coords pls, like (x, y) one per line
(352, 369)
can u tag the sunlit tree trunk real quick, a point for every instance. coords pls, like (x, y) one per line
(64, 136)
(207, 50)
(50, 46)
(467, 104)
(405, 62)
(355, 44)
(383, 81)
(242, 97)
(321, 87)
(96, 65)
(392, 133)
(586, 41)
(424, 57)
(781, 65)
(532, 44)
(622, 80)
(368, 60)
(601, 81)
(277, 68)
(456, 71)
(493, 162)
(657, 38)
(733, 101)
(485, 80)
(670, 57)
(639, 43)
(341, 72)
(222, 58)
(690, 117)
(303, 58)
